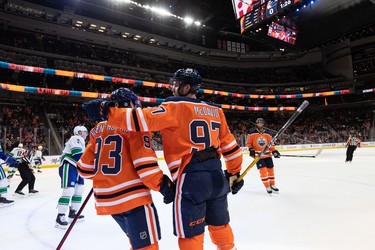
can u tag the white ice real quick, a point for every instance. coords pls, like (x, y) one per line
(324, 203)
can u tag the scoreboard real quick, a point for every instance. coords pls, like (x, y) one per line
(263, 10)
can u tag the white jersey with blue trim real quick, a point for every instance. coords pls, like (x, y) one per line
(17, 153)
(37, 156)
(74, 148)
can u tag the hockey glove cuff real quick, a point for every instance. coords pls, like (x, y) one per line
(167, 189)
(252, 152)
(232, 180)
(97, 109)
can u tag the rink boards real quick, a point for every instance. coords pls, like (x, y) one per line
(53, 161)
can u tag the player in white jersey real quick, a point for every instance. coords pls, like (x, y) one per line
(38, 157)
(4, 202)
(71, 182)
(17, 153)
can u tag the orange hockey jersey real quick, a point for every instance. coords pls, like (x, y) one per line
(123, 167)
(258, 140)
(186, 125)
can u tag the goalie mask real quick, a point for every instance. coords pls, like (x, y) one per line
(183, 77)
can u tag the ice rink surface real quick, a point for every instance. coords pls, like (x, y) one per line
(324, 203)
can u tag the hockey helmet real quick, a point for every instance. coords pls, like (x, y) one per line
(81, 129)
(20, 145)
(187, 76)
(260, 120)
(40, 147)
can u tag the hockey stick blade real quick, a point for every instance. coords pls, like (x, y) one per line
(286, 125)
(308, 156)
(318, 153)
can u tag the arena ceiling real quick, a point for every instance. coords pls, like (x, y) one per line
(319, 23)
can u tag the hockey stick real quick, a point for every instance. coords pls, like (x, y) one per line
(310, 156)
(74, 220)
(307, 156)
(286, 125)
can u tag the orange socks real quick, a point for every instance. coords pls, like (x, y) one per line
(154, 246)
(194, 243)
(264, 177)
(222, 237)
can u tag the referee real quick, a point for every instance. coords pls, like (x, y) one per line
(352, 144)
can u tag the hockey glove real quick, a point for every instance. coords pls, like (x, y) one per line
(167, 189)
(232, 180)
(252, 152)
(276, 154)
(97, 109)
(126, 97)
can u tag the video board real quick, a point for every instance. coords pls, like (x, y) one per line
(282, 33)
(262, 11)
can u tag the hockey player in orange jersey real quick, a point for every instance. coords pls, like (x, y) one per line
(257, 140)
(123, 167)
(195, 134)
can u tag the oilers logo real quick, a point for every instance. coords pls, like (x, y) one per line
(261, 141)
(143, 235)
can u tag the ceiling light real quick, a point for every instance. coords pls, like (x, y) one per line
(188, 20)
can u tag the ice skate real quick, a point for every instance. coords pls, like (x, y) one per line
(274, 189)
(33, 192)
(19, 193)
(269, 190)
(4, 202)
(73, 214)
(61, 222)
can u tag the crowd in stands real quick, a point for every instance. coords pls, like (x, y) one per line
(364, 67)
(327, 126)
(23, 123)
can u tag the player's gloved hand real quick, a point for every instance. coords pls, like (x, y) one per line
(11, 161)
(167, 189)
(276, 154)
(232, 180)
(126, 97)
(252, 152)
(97, 109)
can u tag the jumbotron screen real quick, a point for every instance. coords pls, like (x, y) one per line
(282, 33)
(253, 12)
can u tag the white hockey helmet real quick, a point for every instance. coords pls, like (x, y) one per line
(81, 129)
(20, 145)
(40, 147)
